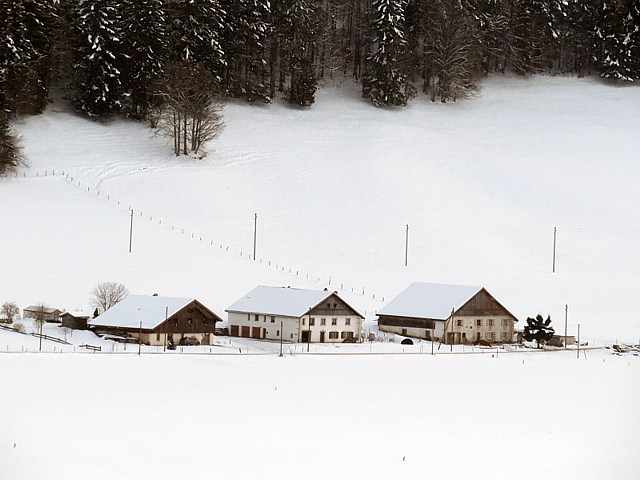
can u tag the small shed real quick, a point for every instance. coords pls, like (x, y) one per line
(75, 320)
(46, 313)
(562, 340)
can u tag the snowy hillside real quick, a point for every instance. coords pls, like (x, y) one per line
(481, 184)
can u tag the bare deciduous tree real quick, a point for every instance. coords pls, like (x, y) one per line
(191, 105)
(106, 294)
(9, 310)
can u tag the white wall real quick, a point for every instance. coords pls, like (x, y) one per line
(293, 327)
(471, 328)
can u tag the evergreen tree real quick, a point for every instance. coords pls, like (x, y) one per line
(572, 29)
(618, 32)
(98, 58)
(144, 51)
(452, 58)
(538, 329)
(28, 70)
(245, 44)
(300, 31)
(386, 78)
(195, 33)
(11, 155)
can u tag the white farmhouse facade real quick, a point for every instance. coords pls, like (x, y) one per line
(294, 315)
(448, 313)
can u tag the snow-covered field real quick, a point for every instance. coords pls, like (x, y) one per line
(518, 416)
(481, 184)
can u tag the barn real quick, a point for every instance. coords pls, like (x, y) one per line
(155, 320)
(294, 315)
(448, 313)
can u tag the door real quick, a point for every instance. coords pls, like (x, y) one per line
(305, 336)
(255, 332)
(321, 337)
(234, 330)
(245, 331)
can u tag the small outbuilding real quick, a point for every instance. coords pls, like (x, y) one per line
(294, 315)
(562, 340)
(49, 315)
(74, 320)
(155, 320)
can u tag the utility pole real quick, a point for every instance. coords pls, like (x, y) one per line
(452, 311)
(578, 342)
(131, 231)
(166, 315)
(406, 247)
(555, 230)
(255, 231)
(140, 339)
(566, 314)
(281, 334)
(309, 334)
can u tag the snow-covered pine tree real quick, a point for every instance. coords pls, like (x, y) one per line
(245, 43)
(144, 43)
(618, 33)
(195, 33)
(386, 78)
(572, 29)
(299, 29)
(452, 60)
(28, 63)
(98, 58)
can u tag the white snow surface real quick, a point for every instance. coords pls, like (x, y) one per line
(284, 301)
(140, 311)
(481, 184)
(429, 300)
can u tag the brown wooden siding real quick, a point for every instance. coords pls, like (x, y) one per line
(482, 304)
(413, 322)
(335, 307)
(193, 318)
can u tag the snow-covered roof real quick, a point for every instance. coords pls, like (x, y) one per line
(429, 300)
(75, 314)
(283, 301)
(148, 309)
(40, 308)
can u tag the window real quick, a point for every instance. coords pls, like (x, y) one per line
(273, 319)
(323, 321)
(503, 335)
(277, 333)
(333, 335)
(334, 321)
(190, 321)
(505, 322)
(304, 321)
(489, 336)
(248, 317)
(491, 322)
(335, 305)
(346, 334)
(347, 321)
(157, 336)
(257, 318)
(328, 305)
(458, 323)
(292, 335)
(312, 322)
(479, 322)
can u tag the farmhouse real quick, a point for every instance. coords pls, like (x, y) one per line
(75, 320)
(295, 315)
(158, 320)
(448, 313)
(47, 314)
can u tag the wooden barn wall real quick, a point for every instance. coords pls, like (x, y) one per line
(335, 307)
(482, 304)
(406, 322)
(190, 319)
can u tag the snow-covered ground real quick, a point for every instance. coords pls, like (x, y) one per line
(481, 184)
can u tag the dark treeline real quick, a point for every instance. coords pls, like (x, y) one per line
(113, 56)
